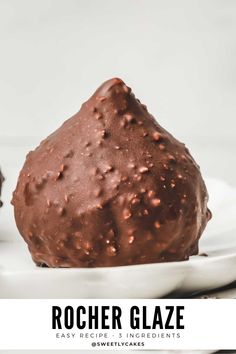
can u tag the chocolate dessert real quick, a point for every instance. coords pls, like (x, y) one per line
(110, 187)
(1, 182)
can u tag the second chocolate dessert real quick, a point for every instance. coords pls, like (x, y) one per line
(1, 182)
(110, 187)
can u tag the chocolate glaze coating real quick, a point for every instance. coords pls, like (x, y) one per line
(1, 182)
(110, 187)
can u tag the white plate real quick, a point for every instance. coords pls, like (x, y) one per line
(20, 278)
(111, 352)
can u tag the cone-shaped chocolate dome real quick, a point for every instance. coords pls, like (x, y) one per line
(110, 187)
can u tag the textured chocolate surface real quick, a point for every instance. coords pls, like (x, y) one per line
(1, 182)
(110, 187)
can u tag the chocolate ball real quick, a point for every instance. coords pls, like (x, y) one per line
(110, 187)
(1, 182)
